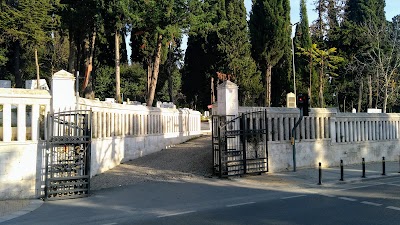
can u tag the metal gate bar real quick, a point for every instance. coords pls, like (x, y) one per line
(68, 155)
(240, 144)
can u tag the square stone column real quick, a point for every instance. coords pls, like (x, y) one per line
(63, 91)
(228, 101)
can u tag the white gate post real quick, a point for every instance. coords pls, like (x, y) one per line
(228, 101)
(63, 91)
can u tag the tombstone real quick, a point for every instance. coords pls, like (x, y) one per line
(32, 84)
(110, 100)
(5, 83)
(291, 100)
(374, 110)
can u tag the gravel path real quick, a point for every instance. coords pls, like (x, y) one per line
(189, 160)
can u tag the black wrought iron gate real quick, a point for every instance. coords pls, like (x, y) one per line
(68, 155)
(240, 144)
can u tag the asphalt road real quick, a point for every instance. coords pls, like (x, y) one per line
(224, 202)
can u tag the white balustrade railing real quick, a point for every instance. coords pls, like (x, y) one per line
(327, 124)
(23, 114)
(110, 119)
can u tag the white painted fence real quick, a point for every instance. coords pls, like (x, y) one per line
(120, 133)
(22, 135)
(124, 132)
(325, 136)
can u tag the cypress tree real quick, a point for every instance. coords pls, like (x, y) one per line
(302, 39)
(269, 33)
(221, 47)
(235, 47)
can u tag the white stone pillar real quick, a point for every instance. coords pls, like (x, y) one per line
(35, 121)
(302, 127)
(63, 91)
(228, 101)
(269, 129)
(362, 129)
(307, 127)
(288, 128)
(346, 128)
(373, 130)
(313, 130)
(322, 127)
(332, 127)
(21, 122)
(7, 122)
(317, 128)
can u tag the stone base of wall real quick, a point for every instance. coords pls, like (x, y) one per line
(18, 170)
(310, 153)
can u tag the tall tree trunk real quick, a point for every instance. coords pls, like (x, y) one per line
(360, 89)
(310, 88)
(321, 86)
(369, 91)
(150, 66)
(154, 75)
(37, 70)
(117, 69)
(72, 54)
(385, 97)
(377, 90)
(170, 88)
(17, 64)
(170, 81)
(212, 91)
(268, 75)
(87, 86)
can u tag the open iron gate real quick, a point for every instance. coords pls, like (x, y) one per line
(240, 144)
(68, 155)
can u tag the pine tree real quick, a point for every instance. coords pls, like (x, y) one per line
(24, 25)
(269, 31)
(358, 14)
(162, 22)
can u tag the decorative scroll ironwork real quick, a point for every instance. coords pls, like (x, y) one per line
(240, 144)
(68, 155)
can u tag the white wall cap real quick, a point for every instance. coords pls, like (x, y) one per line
(227, 84)
(63, 74)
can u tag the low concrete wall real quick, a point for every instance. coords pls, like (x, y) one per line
(310, 153)
(125, 132)
(18, 170)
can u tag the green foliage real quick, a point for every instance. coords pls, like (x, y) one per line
(269, 30)
(163, 90)
(133, 82)
(270, 37)
(302, 39)
(327, 64)
(104, 77)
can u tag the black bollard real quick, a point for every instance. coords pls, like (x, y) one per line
(341, 170)
(363, 168)
(319, 174)
(383, 166)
